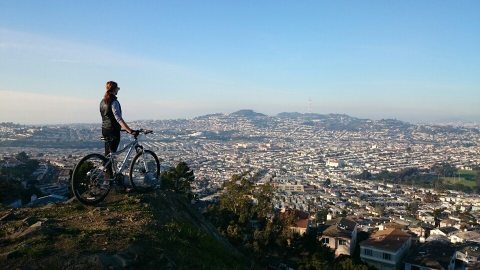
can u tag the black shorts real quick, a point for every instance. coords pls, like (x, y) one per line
(112, 140)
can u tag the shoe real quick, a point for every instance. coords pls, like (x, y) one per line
(119, 180)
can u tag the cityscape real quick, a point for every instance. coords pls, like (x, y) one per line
(283, 135)
(375, 176)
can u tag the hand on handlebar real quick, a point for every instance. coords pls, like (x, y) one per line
(136, 132)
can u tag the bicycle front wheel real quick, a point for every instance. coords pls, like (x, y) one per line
(145, 171)
(88, 179)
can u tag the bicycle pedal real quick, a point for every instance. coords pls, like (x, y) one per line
(105, 183)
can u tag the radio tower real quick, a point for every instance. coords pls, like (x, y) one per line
(310, 105)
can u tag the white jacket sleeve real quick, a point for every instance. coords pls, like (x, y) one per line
(117, 110)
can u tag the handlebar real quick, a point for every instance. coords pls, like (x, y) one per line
(138, 131)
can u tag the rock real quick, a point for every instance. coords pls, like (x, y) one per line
(9, 255)
(123, 261)
(137, 200)
(102, 261)
(113, 220)
(30, 220)
(91, 261)
(128, 257)
(71, 200)
(37, 224)
(30, 230)
(166, 262)
(94, 261)
(49, 205)
(7, 216)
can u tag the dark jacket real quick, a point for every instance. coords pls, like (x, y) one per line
(109, 123)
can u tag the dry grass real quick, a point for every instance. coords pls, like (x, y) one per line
(162, 225)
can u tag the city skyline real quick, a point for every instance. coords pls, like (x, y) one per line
(411, 61)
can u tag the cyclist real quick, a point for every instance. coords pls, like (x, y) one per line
(112, 121)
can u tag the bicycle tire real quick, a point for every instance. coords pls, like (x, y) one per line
(89, 176)
(144, 177)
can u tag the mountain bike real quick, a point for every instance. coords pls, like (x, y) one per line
(95, 174)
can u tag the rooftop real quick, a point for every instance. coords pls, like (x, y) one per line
(434, 254)
(341, 227)
(388, 239)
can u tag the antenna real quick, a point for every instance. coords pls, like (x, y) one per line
(309, 105)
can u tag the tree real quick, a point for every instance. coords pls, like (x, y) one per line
(407, 173)
(380, 209)
(477, 179)
(9, 190)
(236, 197)
(412, 208)
(22, 156)
(444, 169)
(438, 184)
(321, 216)
(437, 214)
(314, 262)
(361, 236)
(365, 175)
(346, 263)
(263, 196)
(320, 256)
(327, 182)
(246, 217)
(179, 178)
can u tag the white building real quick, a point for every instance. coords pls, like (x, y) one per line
(341, 236)
(385, 249)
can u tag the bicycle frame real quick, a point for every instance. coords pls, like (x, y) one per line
(95, 174)
(130, 146)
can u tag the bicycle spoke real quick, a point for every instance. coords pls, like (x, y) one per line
(88, 183)
(145, 171)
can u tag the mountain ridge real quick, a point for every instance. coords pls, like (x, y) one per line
(249, 113)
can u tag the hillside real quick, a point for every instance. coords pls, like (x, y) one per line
(160, 230)
(247, 113)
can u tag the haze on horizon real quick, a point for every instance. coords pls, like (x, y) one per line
(409, 60)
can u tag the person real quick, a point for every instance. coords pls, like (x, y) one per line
(112, 120)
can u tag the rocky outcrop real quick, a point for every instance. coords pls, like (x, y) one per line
(158, 230)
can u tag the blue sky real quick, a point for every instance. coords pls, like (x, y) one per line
(410, 60)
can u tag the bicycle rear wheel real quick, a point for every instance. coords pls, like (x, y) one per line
(89, 184)
(145, 171)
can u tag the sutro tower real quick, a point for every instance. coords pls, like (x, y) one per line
(309, 109)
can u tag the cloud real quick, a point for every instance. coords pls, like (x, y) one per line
(34, 108)
(57, 50)
(58, 55)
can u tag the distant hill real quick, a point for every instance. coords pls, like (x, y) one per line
(159, 230)
(343, 121)
(290, 115)
(84, 136)
(307, 115)
(394, 123)
(247, 113)
(208, 116)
